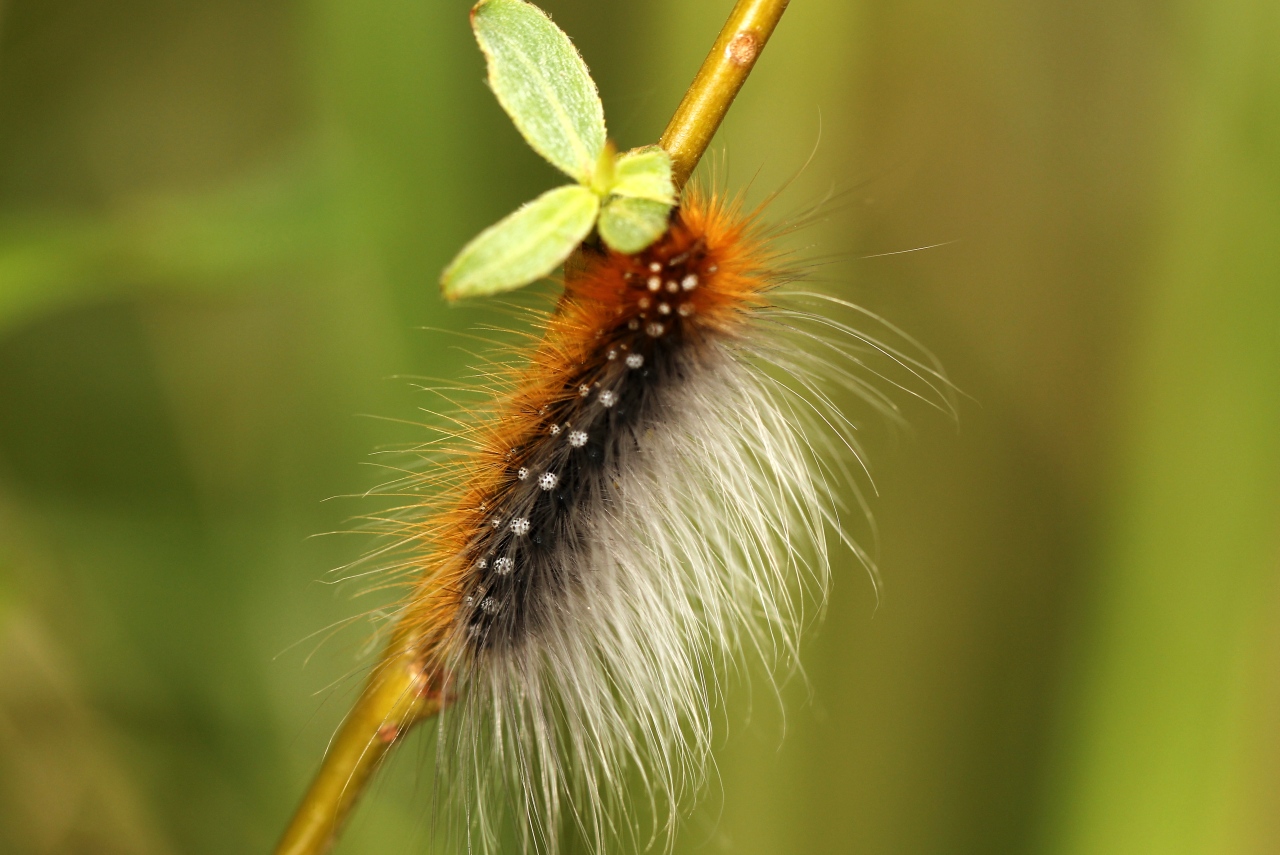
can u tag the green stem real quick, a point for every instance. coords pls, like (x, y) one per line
(722, 74)
(400, 694)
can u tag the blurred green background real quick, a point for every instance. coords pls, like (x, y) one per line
(221, 225)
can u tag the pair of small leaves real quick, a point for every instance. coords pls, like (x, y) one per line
(543, 84)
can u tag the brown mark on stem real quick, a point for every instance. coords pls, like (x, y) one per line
(725, 69)
(744, 48)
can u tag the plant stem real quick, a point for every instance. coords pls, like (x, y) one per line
(722, 74)
(400, 694)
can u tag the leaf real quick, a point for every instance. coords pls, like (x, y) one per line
(525, 246)
(645, 173)
(542, 83)
(630, 225)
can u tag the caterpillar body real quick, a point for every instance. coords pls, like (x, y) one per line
(650, 494)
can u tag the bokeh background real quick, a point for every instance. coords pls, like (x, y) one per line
(221, 225)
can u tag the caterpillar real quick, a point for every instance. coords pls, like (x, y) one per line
(651, 488)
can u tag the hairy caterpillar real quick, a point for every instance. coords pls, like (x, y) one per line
(649, 494)
(644, 493)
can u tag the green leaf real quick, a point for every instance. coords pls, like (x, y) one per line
(630, 225)
(542, 83)
(525, 246)
(645, 173)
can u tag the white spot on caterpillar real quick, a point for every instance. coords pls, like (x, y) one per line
(644, 302)
(655, 266)
(689, 282)
(522, 473)
(548, 480)
(655, 282)
(584, 390)
(684, 310)
(504, 566)
(664, 309)
(520, 526)
(578, 438)
(496, 522)
(635, 360)
(633, 324)
(608, 399)
(655, 329)
(555, 430)
(489, 606)
(673, 286)
(611, 355)
(482, 563)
